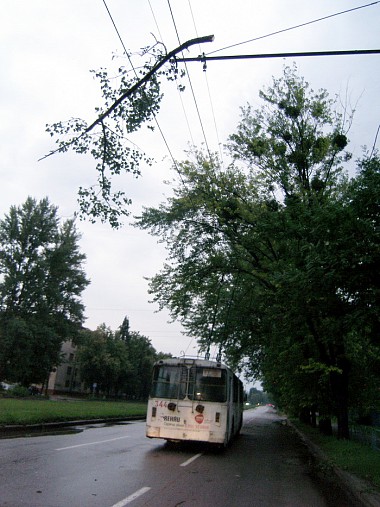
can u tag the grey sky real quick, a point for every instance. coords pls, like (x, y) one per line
(46, 51)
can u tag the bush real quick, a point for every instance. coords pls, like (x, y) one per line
(19, 392)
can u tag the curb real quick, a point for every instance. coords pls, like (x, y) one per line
(10, 428)
(361, 490)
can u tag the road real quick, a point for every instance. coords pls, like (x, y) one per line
(116, 466)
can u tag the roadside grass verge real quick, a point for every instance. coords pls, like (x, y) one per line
(353, 457)
(36, 411)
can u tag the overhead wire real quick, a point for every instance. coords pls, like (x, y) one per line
(216, 307)
(154, 115)
(155, 21)
(179, 92)
(221, 281)
(294, 27)
(183, 106)
(208, 90)
(156, 121)
(197, 109)
(191, 85)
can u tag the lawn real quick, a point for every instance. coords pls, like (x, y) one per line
(34, 411)
(353, 457)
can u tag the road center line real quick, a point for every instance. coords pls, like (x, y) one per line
(89, 443)
(132, 497)
(190, 460)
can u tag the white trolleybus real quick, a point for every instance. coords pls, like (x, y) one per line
(194, 399)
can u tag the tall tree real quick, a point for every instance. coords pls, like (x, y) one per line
(247, 247)
(41, 282)
(104, 361)
(118, 363)
(124, 330)
(141, 356)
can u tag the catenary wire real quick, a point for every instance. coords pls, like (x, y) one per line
(191, 86)
(199, 117)
(178, 91)
(155, 21)
(375, 142)
(294, 27)
(207, 353)
(208, 90)
(158, 126)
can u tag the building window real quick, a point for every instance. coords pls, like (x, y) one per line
(69, 370)
(71, 357)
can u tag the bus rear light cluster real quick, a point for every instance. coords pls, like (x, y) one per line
(154, 411)
(217, 417)
(200, 408)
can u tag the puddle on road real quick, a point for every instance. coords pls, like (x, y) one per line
(39, 432)
(64, 430)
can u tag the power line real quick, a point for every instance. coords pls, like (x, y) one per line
(203, 58)
(209, 92)
(294, 27)
(118, 33)
(155, 21)
(178, 90)
(191, 86)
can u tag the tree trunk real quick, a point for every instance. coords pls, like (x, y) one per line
(339, 387)
(325, 426)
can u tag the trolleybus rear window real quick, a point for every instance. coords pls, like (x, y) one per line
(194, 383)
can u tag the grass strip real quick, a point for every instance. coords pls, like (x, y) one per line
(36, 411)
(353, 457)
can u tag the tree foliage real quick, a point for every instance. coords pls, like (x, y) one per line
(274, 262)
(118, 362)
(41, 281)
(103, 360)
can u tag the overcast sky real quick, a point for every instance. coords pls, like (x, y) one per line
(47, 49)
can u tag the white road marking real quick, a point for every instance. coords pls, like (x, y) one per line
(132, 497)
(89, 443)
(185, 463)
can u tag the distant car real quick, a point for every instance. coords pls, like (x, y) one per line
(6, 386)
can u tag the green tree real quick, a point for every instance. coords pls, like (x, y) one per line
(294, 143)
(124, 330)
(41, 281)
(253, 251)
(141, 355)
(104, 361)
(119, 363)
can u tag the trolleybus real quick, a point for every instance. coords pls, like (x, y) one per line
(194, 399)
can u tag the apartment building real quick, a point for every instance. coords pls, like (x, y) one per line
(66, 377)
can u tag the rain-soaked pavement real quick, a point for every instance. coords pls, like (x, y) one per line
(115, 465)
